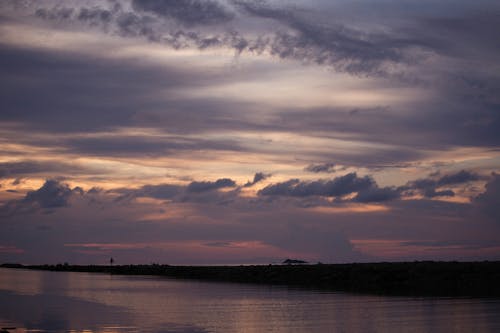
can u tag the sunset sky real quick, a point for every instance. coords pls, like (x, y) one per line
(235, 131)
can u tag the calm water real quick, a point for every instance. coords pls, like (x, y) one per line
(36, 301)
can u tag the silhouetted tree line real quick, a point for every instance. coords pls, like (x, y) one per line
(425, 278)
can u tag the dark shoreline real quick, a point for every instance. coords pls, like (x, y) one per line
(420, 278)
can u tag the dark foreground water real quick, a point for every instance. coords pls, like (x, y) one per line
(40, 301)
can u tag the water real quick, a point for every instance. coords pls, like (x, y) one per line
(36, 301)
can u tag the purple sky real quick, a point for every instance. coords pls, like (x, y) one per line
(212, 132)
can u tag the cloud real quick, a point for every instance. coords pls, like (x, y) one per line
(160, 191)
(142, 95)
(322, 167)
(94, 13)
(63, 96)
(304, 232)
(417, 96)
(321, 241)
(125, 93)
(123, 145)
(51, 195)
(188, 12)
(377, 194)
(460, 177)
(322, 34)
(162, 22)
(428, 186)
(55, 13)
(219, 244)
(28, 168)
(366, 189)
(431, 193)
(204, 186)
(259, 176)
(343, 48)
(489, 201)
(194, 192)
(338, 186)
(13, 169)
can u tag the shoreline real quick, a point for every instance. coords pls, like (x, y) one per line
(419, 278)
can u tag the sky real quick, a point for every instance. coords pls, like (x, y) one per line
(249, 131)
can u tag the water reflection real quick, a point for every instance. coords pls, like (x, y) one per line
(58, 313)
(81, 302)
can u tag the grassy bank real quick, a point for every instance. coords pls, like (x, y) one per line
(476, 279)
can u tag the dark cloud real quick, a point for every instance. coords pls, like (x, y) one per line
(338, 186)
(144, 145)
(284, 188)
(489, 201)
(329, 38)
(455, 35)
(445, 124)
(318, 168)
(196, 192)
(431, 193)
(462, 243)
(132, 25)
(188, 12)
(329, 244)
(460, 177)
(309, 36)
(278, 223)
(466, 115)
(160, 191)
(336, 45)
(377, 194)
(339, 46)
(143, 25)
(59, 85)
(95, 15)
(27, 168)
(127, 93)
(55, 13)
(124, 93)
(53, 194)
(219, 244)
(13, 169)
(210, 186)
(429, 186)
(366, 189)
(75, 104)
(259, 176)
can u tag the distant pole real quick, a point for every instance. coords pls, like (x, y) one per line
(111, 261)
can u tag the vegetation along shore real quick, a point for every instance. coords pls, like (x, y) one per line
(420, 278)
